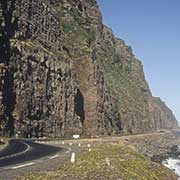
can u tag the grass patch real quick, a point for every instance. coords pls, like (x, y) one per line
(124, 163)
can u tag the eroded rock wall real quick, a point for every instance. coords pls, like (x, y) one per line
(63, 72)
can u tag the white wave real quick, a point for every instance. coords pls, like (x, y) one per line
(173, 164)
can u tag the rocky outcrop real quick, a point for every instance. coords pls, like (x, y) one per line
(63, 72)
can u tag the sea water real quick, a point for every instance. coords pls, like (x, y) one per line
(173, 163)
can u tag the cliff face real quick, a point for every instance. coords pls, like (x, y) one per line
(163, 116)
(63, 72)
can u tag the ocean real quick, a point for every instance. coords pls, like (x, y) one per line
(173, 161)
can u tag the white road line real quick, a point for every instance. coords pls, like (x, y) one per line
(23, 165)
(69, 149)
(52, 157)
(13, 155)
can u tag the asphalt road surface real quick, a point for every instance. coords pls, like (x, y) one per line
(21, 151)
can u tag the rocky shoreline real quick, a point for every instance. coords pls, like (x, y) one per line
(162, 148)
(157, 144)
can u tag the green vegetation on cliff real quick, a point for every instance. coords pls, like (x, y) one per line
(68, 74)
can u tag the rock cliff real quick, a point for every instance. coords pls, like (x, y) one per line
(163, 114)
(63, 72)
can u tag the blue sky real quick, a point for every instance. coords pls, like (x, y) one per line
(152, 29)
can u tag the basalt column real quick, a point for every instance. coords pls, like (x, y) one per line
(8, 25)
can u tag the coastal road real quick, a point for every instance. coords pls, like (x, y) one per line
(24, 152)
(23, 156)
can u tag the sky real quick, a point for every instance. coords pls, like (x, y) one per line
(152, 29)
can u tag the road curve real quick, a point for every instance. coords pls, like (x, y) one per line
(20, 151)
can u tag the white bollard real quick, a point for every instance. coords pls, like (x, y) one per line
(88, 145)
(70, 144)
(90, 149)
(79, 144)
(73, 157)
(17, 135)
(63, 142)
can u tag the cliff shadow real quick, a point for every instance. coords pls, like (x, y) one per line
(79, 105)
(8, 27)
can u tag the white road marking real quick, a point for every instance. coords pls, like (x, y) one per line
(13, 155)
(69, 149)
(52, 157)
(32, 163)
(23, 165)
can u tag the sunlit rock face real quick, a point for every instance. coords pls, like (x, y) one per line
(62, 72)
(163, 116)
